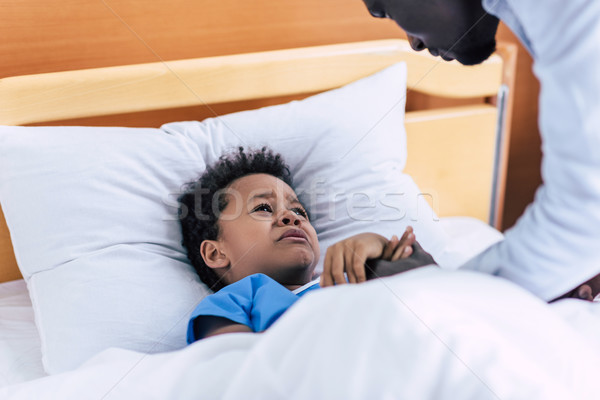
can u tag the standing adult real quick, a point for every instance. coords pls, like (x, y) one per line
(555, 244)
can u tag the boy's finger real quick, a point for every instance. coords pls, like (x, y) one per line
(358, 266)
(337, 269)
(348, 266)
(402, 252)
(389, 248)
(408, 239)
(326, 279)
(407, 232)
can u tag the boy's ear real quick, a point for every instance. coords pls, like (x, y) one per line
(213, 255)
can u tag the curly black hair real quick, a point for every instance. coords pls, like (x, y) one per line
(197, 214)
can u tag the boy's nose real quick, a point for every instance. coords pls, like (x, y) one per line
(289, 217)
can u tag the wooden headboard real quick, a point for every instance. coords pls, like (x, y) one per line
(457, 155)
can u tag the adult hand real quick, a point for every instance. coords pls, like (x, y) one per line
(586, 291)
(380, 268)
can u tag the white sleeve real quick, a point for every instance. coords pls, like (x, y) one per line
(554, 246)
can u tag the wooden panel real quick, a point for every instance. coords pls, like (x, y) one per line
(44, 36)
(101, 91)
(38, 36)
(524, 156)
(8, 265)
(448, 138)
(508, 52)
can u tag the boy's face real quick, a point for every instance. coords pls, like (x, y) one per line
(265, 229)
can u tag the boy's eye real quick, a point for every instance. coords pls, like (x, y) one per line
(301, 212)
(263, 207)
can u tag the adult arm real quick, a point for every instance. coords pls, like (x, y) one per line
(586, 291)
(553, 247)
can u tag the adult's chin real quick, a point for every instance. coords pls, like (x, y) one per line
(475, 54)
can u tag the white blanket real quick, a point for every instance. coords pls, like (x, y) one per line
(426, 334)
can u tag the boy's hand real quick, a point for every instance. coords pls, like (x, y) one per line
(396, 248)
(350, 256)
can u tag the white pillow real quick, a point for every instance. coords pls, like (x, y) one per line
(86, 212)
(346, 149)
(92, 211)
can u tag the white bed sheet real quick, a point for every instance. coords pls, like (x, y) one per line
(467, 237)
(20, 354)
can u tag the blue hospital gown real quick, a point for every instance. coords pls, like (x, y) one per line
(256, 301)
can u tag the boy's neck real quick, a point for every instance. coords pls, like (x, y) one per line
(300, 288)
